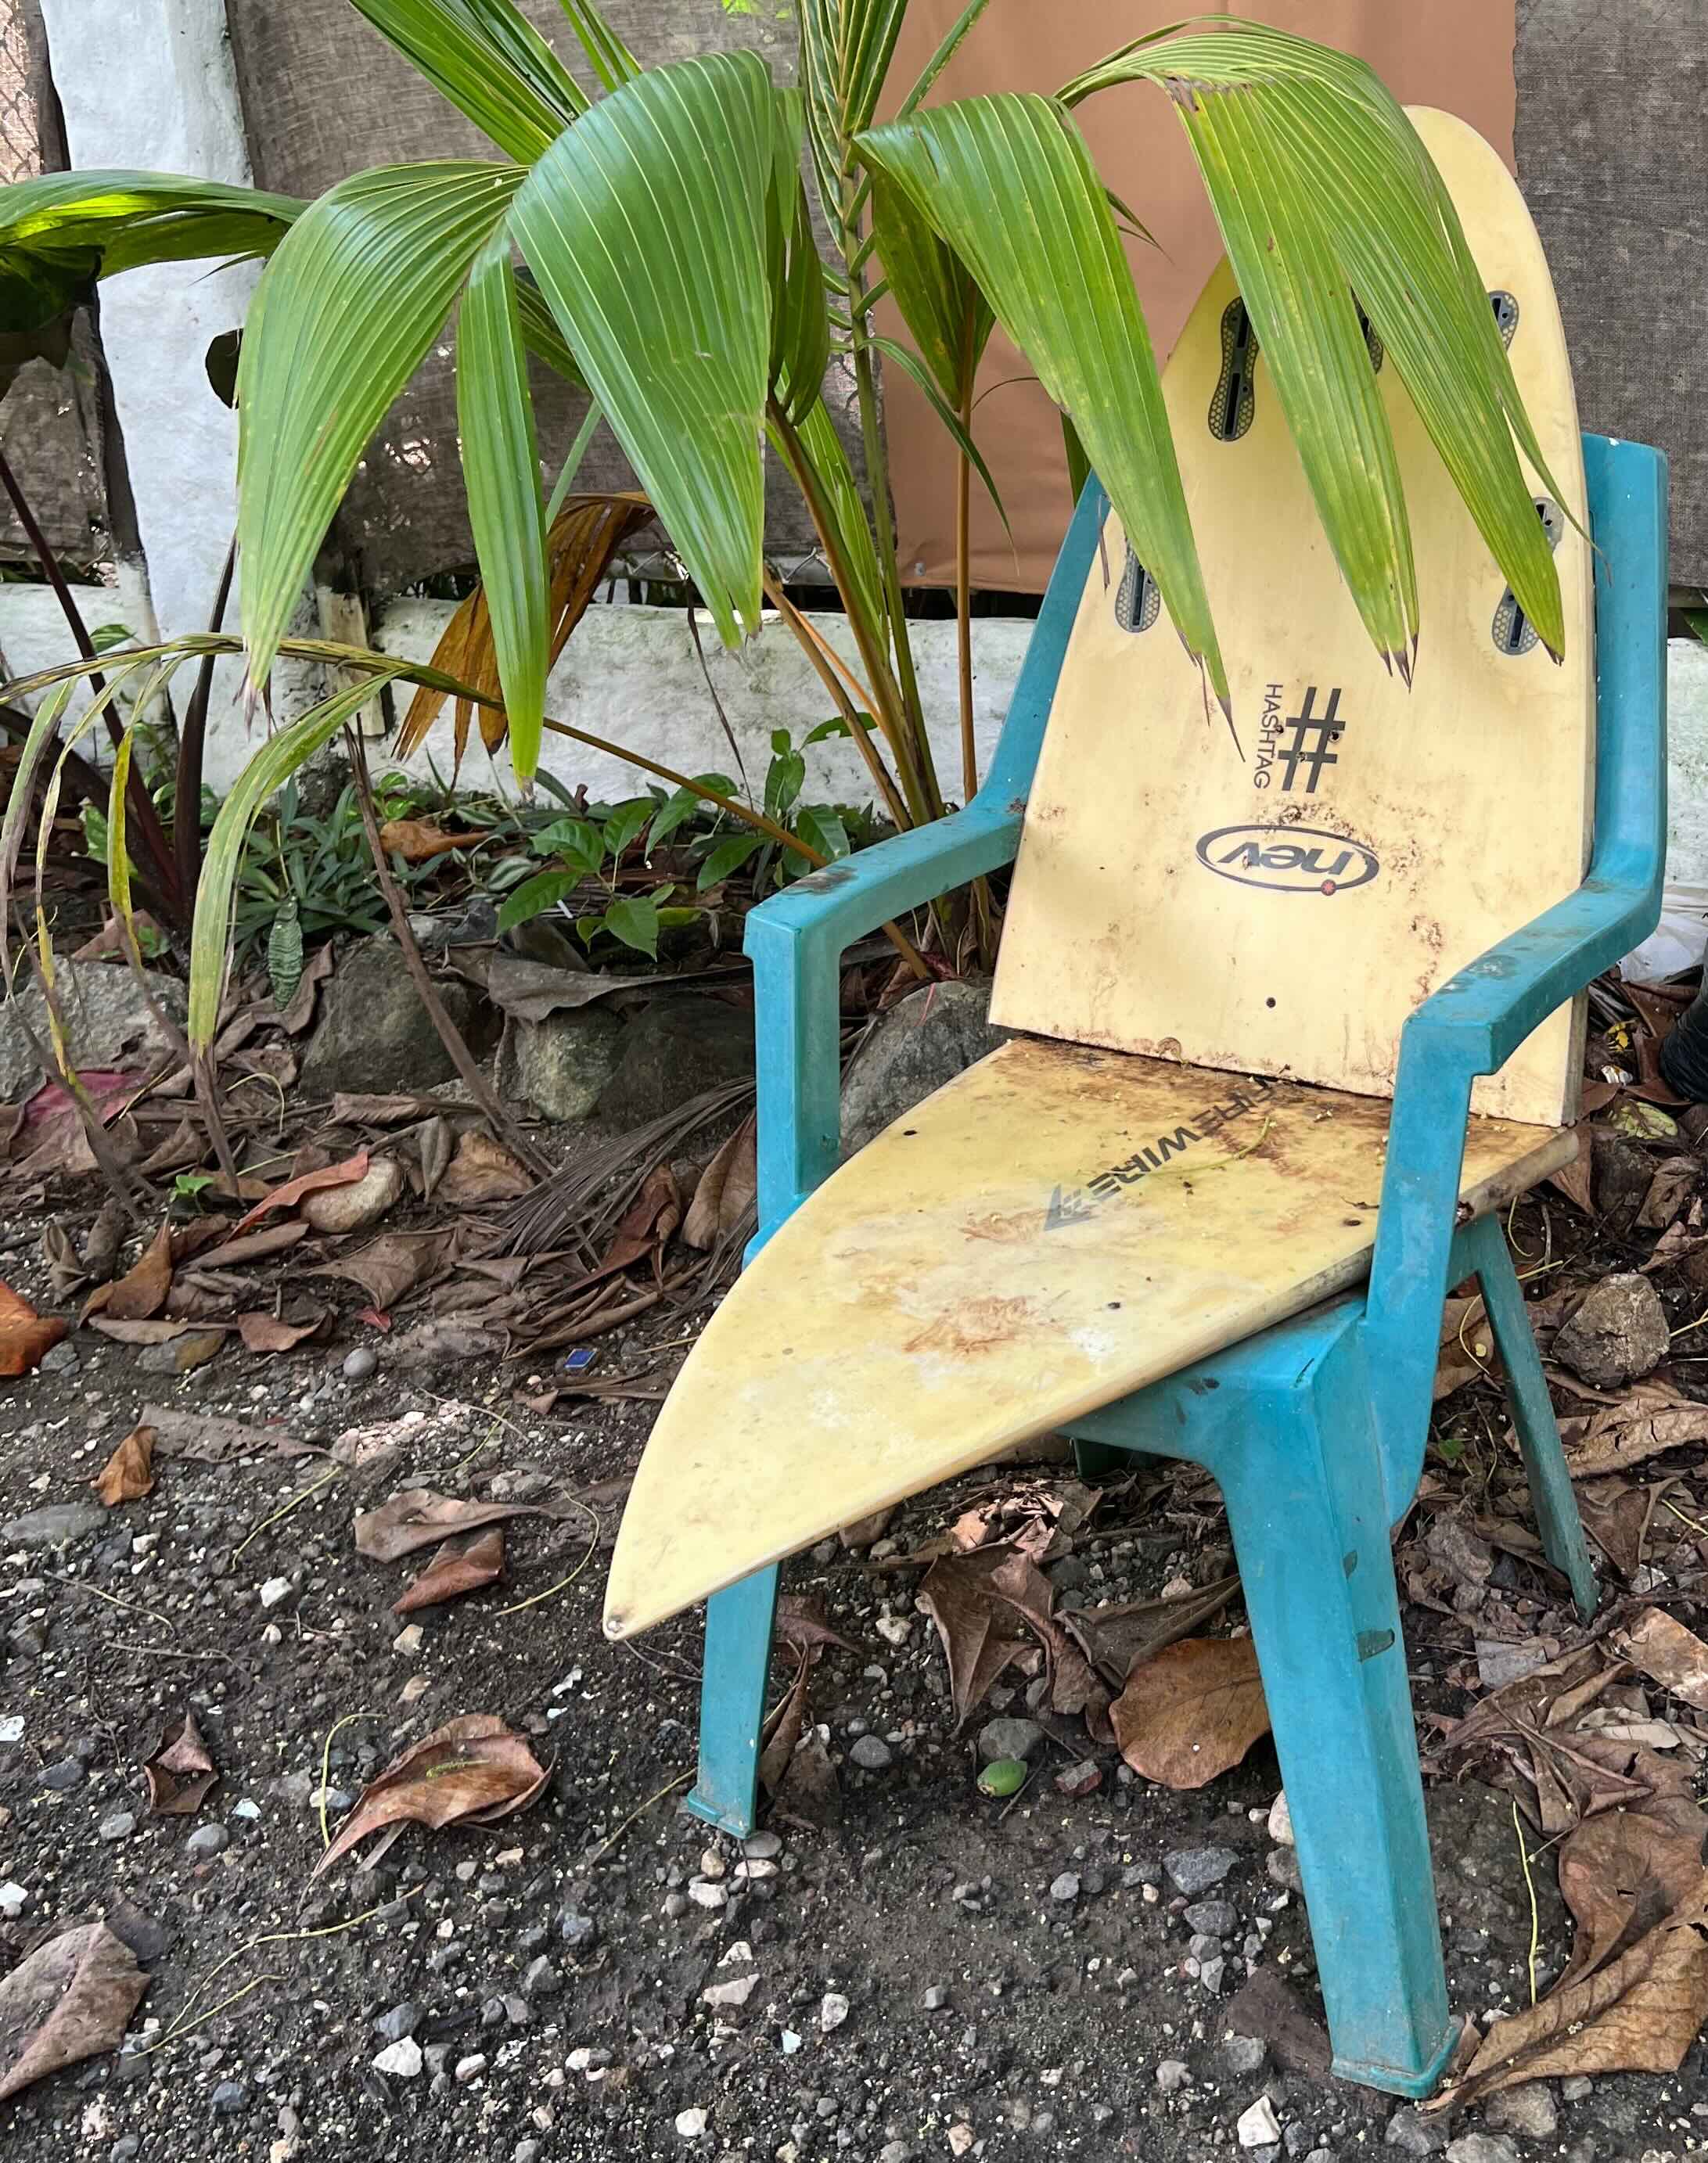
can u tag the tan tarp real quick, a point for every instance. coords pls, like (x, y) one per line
(1452, 53)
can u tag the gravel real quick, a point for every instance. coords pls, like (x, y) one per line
(1195, 1870)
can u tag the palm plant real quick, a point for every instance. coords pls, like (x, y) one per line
(655, 244)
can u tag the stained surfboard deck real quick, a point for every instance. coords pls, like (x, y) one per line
(1057, 1227)
(1106, 1199)
(1373, 840)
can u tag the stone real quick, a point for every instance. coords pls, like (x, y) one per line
(832, 2012)
(1281, 1821)
(469, 2068)
(732, 1994)
(373, 1033)
(561, 1067)
(999, 1739)
(119, 1826)
(106, 1020)
(680, 1046)
(762, 1846)
(870, 1754)
(1481, 2148)
(578, 1932)
(1413, 2135)
(1577, 2087)
(402, 2059)
(206, 1841)
(1618, 1333)
(1172, 2075)
(362, 1202)
(541, 1979)
(1283, 1869)
(691, 2124)
(924, 1041)
(13, 1899)
(1214, 1918)
(1259, 2127)
(1528, 2110)
(1066, 1888)
(1244, 2056)
(361, 1364)
(936, 1996)
(229, 2097)
(274, 1593)
(181, 1355)
(401, 2021)
(55, 1524)
(1195, 1870)
(60, 1779)
(1621, 1175)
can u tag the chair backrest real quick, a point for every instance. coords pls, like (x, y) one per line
(1280, 907)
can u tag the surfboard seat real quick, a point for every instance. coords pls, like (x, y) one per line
(1056, 1229)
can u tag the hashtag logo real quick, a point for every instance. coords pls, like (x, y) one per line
(1312, 733)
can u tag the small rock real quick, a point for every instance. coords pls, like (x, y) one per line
(1577, 2087)
(691, 2124)
(734, 1993)
(1195, 1870)
(705, 1895)
(960, 2139)
(409, 1641)
(923, 1041)
(1259, 2127)
(562, 1065)
(762, 1846)
(60, 1778)
(1215, 1918)
(833, 2012)
(361, 1202)
(374, 1035)
(106, 1016)
(400, 2021)
(790, 2042)
(1281, 1821)
(678, 1045)
(274, 1593)
(181, 1355)
(1008, 1738)
(119, 1826)
(12, 1728)
(469, 2068)
(1413, 2135)
(1211, 1972)
(361, 1364)
(402, 2059)
(1482, 2148)
(894, 2151)
(1619, 1332)
(13, 1898)
(541, 1979)
(1172, 2075)
(55, 1524)
(578, 1932)
(1084, 1778)
(1244, 2055)
(126, 2149)
(1529, 2109)
(229, 2097)
(1064, 1887)
(206, 1841)
(870, 1754)
(936, 1996)
(1283, 1869)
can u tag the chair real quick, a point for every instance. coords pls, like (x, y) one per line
(1177, 1240)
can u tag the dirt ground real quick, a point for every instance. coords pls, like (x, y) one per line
(939, 1972)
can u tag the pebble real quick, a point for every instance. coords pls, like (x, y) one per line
(275, 1592)
(470, 2068)
(54, 1524)
(960, 2139)
(870, 1754)
(1482, 2148)
(1530, 2110)
(12, 1728)
(119, 1826)
(1259, 2127)
(1084, 1778)
(1008, 1738)
(206, 1840)
(1414, 2134)
(541, 1979)
(790, 2042)
(361, 1364)
(1214, 1918)
(402, 2058)
(229, 2097)
(1195, 1870)
(1244, 2056)
(1283, 1868)
(691, 2124)
(1172, 2075)
(1064, 1887)
(401, 2021)
(1211, 1972)
(705, 1895)
(60, 1779)
(762, 1846)
(936, 1998)
(725, 1995)
(1576, 2088)
(1281, 1821)
(894, 2151)
(833, 2012)
(128, 2146)
(13, 1897)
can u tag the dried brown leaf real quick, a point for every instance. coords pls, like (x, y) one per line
(141, 1291)
(129, 1474)
(1624, 1870)
(473, 1771)
(417, 1518)
(1667, 1653)
(1672, 1186)
(460, 1566)
(289, 1191)
(393, 1264)
(482, 1170)
(725, 1190)
(418, 841)
(24, 1335)
(1193, 1711)
(64, 2002)
(270, 1332)
(1116, 1640)
(1650, 1419)
(181, 1774)
(207, 1439)
(257, 1246)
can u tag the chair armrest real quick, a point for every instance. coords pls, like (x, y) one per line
(797, 938)
(1475, 1022)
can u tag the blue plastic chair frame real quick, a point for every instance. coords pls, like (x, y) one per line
(1315, 1429)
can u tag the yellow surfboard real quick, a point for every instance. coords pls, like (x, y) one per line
(1110, 1197)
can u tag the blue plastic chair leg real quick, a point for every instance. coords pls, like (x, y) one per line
(1551, 1494)
(732, 1702)
(1307, 1512)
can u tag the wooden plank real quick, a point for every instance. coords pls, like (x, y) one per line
(1056, 1229)
(1284, 912)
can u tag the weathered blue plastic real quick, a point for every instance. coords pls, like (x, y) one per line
(1316, 1429)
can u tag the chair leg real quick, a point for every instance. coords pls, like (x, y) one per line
(1551, 1493)
(732, 1702)
(1303, 1484)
